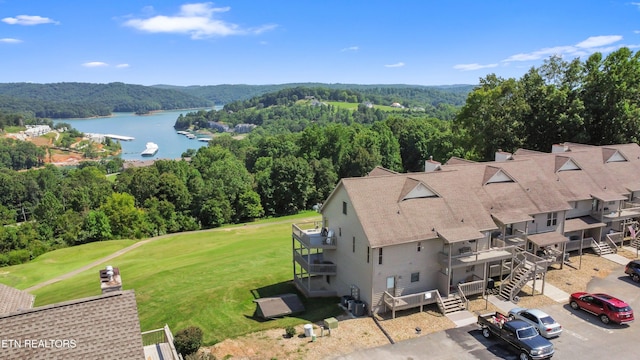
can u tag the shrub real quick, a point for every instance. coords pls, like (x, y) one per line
(290, 331)
(187, 341)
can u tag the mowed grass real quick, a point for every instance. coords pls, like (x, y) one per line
(207, 279)
(55, 263)
(354, 106)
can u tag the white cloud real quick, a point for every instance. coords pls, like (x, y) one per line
(28, 20)
(197, 20)
(122, 66)
(350, 48)
(400, 64)
(10, 41)
(470, 67)
(93, 64)
(597, 41)
(584, 48)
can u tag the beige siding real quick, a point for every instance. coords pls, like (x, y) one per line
(400, 261)
(581, 208)
(353, 269)
(539, 225)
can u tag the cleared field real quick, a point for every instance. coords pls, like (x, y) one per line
(207, 279)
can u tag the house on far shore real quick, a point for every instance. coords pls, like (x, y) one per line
(105, 326)
(395, 241)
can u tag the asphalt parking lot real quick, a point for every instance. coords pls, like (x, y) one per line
(583, 336)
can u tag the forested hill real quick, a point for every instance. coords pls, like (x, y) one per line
(415, 94)
(68, 100)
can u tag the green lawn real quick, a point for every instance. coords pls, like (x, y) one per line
(52, 264)
(354, 106)
(206, 279)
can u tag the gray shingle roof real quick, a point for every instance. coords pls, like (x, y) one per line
(100, 327)
(13, 299)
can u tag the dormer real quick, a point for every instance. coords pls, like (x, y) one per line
(415, 189)
(494, 174)
(612, 155)
(564, 163)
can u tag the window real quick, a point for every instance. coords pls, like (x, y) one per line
(419, 247)
(368, 254)
(380, 256)
(552, 219)
(353, 244)
(415, 277)
(344, 207)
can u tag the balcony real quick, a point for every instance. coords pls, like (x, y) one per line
(313, 286)
(158, 344)
(313, 237)
(479, 257)
(314, 264)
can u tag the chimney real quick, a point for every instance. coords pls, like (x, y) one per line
(431, 165)
(110, 279)
(502, 156)
(559, 148)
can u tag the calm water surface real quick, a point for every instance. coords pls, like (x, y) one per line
(157, 128)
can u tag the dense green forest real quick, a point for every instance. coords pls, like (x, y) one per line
(410, 95)
(70, 100)
(299, 151)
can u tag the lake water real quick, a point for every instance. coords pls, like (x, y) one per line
(156, 127)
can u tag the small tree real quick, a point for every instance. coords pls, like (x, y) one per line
(187, 341)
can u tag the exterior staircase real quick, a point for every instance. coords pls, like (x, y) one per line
(452, 304)
(635, 243)
(511, 285)
(602, 248)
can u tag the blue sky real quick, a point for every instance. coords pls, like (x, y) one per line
(419, 42)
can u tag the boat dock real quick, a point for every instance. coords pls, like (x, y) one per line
(100, 137)
(120, 137)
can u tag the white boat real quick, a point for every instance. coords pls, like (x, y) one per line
(150, 150)
(191, 136)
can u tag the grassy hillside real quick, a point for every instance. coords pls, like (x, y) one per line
(55, 263)
(206, 278)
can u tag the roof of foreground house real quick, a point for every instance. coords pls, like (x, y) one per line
(12, 299)
(99, 327)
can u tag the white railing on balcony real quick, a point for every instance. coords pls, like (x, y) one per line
(160, 342)
(314, 237)
(575, 245)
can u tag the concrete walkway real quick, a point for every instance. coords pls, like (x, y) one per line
(464, 318)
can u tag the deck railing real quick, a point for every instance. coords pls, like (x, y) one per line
(396, 303)
(314, 264)
(160, 336)
(312, 236)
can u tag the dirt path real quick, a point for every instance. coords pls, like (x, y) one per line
(142, 242)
